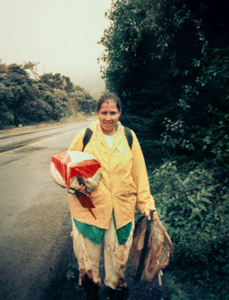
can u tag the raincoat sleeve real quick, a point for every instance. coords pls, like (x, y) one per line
(145, 201)
(77, 143)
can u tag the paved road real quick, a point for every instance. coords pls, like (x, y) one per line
(34, 214)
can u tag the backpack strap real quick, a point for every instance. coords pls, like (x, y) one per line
(129, 136)
(88, 134)
(87, 137)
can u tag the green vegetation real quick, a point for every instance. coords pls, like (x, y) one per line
(168, 60)
(47, 98)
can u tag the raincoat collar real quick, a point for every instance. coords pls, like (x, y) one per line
(96, 128)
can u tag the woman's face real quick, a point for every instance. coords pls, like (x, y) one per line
(108, 117)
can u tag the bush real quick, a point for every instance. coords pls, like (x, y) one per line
(48, 98)
(195, 209)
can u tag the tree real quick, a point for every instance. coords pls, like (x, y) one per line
(134, 69)
(33, 68)
(49, 97)
(68, 84)
(82, 101)
(168, 61)
(54, 80)
(17, 93)
(150, 52)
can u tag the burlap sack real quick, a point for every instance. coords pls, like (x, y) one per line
(159, 248)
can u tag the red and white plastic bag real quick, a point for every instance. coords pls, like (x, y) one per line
(69, 168)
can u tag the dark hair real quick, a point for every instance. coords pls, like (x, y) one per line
(109, 97)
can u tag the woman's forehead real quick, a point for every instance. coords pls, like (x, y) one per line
(109, 105)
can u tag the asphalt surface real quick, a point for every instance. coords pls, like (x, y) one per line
(34, 213)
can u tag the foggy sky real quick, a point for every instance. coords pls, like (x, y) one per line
(61, 35)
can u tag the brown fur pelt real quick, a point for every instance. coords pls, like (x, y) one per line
(159, 247)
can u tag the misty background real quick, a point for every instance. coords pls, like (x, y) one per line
(61, 36)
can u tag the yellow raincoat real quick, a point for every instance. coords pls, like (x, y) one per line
(124, 182)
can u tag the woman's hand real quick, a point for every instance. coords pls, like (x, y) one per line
(81, 188)
(153, 213)
(155, 216)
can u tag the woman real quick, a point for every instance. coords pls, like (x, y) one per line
(123, 185)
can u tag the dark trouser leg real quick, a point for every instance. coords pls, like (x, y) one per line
(91, 288)
(120, 294)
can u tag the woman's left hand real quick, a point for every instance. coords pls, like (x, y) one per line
(148, 215)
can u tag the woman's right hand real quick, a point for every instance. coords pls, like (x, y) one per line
(81, 188)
